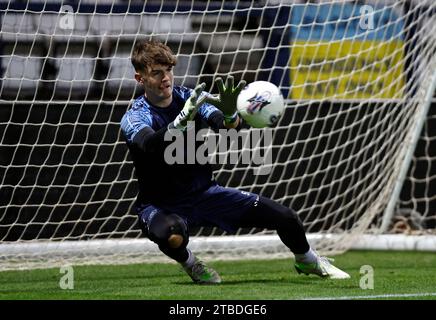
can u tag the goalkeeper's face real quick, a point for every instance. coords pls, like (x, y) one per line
(158, 84)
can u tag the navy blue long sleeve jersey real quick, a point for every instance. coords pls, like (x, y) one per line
(144, 127)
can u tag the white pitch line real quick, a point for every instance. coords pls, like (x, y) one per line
(401, 295)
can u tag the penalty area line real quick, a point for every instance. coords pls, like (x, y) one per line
(377, 296)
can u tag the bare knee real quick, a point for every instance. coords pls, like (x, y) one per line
(169, 231)
(175, 241)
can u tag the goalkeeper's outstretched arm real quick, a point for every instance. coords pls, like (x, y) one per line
(149, 140)
(216, 121)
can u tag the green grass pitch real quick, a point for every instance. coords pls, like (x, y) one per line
(397, 275)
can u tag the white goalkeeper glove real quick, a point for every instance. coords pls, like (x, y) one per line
(190, 109)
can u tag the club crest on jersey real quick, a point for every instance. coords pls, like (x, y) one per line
(258, 102)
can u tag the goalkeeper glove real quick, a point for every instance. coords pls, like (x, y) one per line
(190, 109)
(228, 97)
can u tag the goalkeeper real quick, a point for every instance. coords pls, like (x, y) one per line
(173, 198)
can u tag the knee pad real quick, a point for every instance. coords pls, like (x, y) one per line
(168, 231)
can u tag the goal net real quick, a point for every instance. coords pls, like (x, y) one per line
(354, 153)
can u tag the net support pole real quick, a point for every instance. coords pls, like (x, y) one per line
(409, 147)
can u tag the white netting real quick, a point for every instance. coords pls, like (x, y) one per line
(358, 79)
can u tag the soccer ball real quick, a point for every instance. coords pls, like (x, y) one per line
(261, 104)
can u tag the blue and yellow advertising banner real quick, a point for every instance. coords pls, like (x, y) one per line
(338, 52)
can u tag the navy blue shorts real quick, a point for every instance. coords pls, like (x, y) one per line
(215, 207)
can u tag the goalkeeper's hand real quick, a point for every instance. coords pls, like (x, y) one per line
(228, 97)
(190, 109)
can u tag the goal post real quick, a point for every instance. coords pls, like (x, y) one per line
(409, 149)
(353, 153)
